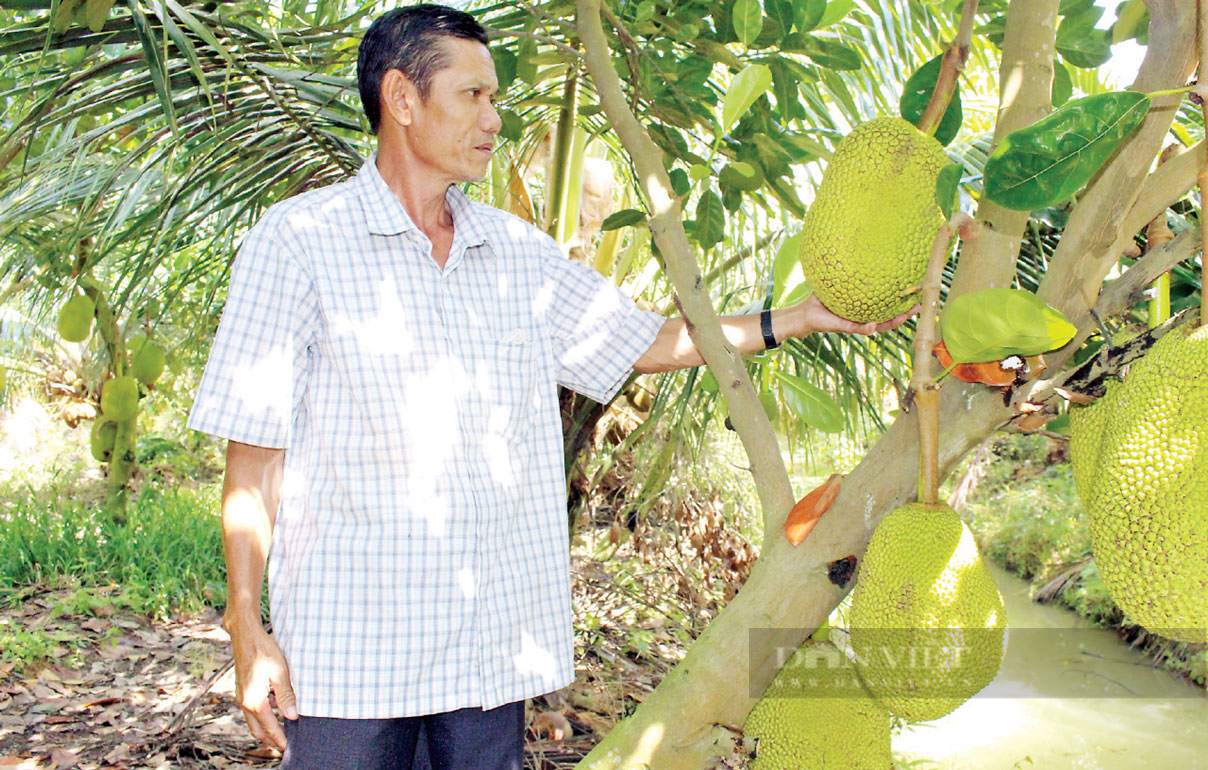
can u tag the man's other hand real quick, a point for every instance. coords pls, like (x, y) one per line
(260, 669)
(818, 318)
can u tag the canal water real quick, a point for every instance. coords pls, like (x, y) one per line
(1068, 695)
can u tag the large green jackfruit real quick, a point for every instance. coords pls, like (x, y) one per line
(1140, 457)
(817, 715)
(119, 398)
(146, 360)
(102, 439)
(75, 318)
(868, 233)
(927, 621)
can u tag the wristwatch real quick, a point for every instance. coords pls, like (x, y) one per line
(765, 326)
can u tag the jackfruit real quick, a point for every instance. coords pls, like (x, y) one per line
(119, 398)
(75, 318)
(1141, 463)
(147, 361)
(927, 621)
(868, 234)
(102, 438)
(816, 715)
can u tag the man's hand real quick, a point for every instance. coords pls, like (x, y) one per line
(260, 668)
(816, 317)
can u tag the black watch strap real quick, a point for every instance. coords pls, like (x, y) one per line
(765, 326)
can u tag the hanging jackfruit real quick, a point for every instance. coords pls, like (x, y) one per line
(868, 233)
(927, 621)
(102, 439)
(119, 398)
(816, 715)
(75, 318)
(147, 360)
(1140, 457)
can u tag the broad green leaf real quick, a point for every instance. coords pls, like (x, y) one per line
(788, 257)
(1053, 158)
(708, 382)
(680, 183)
(811, 404)
(624, 218)
(917, 94)
(512, 126)
(1063, 86)
(807, 14)
(710, 226)
(771, 408)
(741, 176)
(825, 52)
(96, 12)
(947, 188)
(64, 14)
(835, 11)
(991, 324)
(787, 87)
(1078, 41)
(781, 12)
(748, 21)
(645, 11)
(1132, 18)
(747, 86)
(526, 62)
(699, 172)
(505, 67)
(798, 293)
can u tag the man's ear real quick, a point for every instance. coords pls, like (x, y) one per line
(397, 96)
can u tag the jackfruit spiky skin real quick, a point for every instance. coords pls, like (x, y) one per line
(1086, 436)
(927, 620)
(868, 234)
(793, 727)
(1147, 490)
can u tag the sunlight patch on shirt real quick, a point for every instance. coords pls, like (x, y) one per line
(383, 333)
(465, 581)
(432, 434)
(535, 659)
(259, 385)
(603, 306)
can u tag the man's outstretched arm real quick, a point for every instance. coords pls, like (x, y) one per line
(673, 348)
(250, 494)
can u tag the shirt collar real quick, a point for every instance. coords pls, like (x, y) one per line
(384, 215)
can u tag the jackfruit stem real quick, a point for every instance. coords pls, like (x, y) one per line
(1158, 234)
(953, 64)
(926, 390)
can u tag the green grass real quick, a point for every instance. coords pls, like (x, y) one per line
(166, 558)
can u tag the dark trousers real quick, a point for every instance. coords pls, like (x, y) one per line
(466, 739)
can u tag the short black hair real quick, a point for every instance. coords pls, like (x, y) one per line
(408, 39)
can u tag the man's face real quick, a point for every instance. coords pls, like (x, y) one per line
(453, 132)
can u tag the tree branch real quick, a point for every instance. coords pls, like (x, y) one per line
(1085, 253)
(1025, 95)
(666, 225)
(951, 67)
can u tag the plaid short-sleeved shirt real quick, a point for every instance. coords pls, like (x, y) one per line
(419, 561)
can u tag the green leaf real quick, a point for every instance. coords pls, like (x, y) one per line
(505, 67)
(811, 404)
(699, 172)
(1053, 158)
(917, 94)
(512, 126)
(710, 227)
(741, 176)
(781, 12)
(825, 52)
(747, 20)
(1079, 42)
(947, 188)
(1132, 18)
(807, 14)
(624, 218)
(96, 12)
(798, 293)
(991, 324)
(680, 183)
(747, 86)
(788, 256)
(835, 11)
(1063, 86)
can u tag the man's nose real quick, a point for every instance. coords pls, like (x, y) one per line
(493, 121)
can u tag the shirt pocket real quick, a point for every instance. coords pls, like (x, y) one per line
(513, 382)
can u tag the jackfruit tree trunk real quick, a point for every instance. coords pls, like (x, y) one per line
(121, 468)
(693, 714)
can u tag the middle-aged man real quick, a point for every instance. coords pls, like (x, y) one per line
(386, 372)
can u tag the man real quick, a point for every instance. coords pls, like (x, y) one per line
(385, 372)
